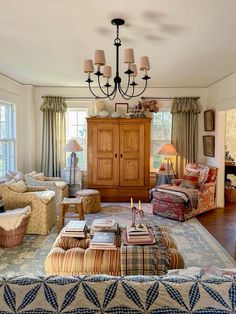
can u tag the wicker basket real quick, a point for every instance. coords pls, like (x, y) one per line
(230, 195)
(13, 237)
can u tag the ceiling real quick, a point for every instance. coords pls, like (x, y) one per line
(190, 43)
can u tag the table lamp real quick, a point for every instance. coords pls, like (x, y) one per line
(73, 147)
(168, 151)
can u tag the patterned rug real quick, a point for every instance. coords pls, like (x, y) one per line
(196, 244)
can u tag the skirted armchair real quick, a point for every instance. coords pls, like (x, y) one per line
(187, 197)
(52, 183)
(42, 202)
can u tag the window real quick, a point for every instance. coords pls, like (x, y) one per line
(7, 138)
(76, 127)
(161, 134)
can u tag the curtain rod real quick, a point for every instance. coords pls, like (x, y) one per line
(73, 97)
(83, 97)
(166, 98)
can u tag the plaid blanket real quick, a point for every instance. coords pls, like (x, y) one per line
(190, 196)
(145, 259)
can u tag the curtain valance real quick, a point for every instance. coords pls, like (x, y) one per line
(186, 105)
(54, 103)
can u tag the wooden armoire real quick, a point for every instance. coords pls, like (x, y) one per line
(118, 156)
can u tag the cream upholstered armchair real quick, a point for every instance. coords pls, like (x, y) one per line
(52, 183)
(42, 202)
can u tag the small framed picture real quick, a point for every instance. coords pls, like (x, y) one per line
(122, 108)
(209, 145)
(209, 120)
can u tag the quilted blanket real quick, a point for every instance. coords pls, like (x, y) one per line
(190, 196)
(203, 294)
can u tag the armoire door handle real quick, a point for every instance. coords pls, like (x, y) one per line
(121, 155)
(115, 155)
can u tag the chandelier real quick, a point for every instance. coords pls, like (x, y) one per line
(128, 57)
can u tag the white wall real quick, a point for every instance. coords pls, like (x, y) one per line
(19, 95)
(221, 97)
(84, 92)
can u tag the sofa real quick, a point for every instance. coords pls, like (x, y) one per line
(203, 291)
(187, 197)
(42, 202)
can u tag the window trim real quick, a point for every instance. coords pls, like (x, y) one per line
(76, 108)
(13, 131)
(152, 169)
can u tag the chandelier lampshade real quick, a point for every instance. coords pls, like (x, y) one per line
(107, 91)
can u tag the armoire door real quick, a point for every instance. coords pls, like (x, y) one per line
(105, 150)
(132, 155)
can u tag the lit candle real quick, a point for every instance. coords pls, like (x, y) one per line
(144, 63)
(107, 71)
(139, 205)
(133, 67)
(88, 66)
(131, 203)
(128, 56)
(99, 57)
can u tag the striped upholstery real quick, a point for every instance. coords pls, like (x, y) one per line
(71, 256)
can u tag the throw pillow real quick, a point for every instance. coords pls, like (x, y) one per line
(40, 176)
(19, 187)
(33, 173)
(18, 176)
(211, 175)
(190, 181)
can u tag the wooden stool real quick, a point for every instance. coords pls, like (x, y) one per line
(65, 208)
(90, 199)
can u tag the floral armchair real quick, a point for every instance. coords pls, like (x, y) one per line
(42, 202)
(52, 183)
(187, 197)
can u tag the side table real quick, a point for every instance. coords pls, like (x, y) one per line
(66, 207)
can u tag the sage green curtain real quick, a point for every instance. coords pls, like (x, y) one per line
(54, 135)
(184, 135)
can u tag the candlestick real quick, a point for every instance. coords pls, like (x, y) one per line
(131, 203)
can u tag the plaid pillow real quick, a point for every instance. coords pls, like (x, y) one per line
(190, 181)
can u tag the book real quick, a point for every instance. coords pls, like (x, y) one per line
(74, 234)
(103, 223)
(104, 229)
(145, 240)
(75, 226)
(103, 239)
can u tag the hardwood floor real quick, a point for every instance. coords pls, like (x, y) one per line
(221, 223)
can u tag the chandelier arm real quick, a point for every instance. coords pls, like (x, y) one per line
(125, 95)
(138, 93)
(127, 88)
(100, 86)
(112, 95)
(91, 91)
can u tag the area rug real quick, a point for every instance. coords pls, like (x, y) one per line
(196, 244)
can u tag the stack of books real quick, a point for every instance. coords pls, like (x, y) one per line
(104, 225)
(75, 228)
(138, 235)
(103, 241)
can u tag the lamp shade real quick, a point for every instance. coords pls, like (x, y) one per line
(72, 146)
(168, 150)
(99, 57)
(88, 66)
(144, 63)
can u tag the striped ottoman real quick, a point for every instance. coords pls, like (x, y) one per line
(70, 256)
